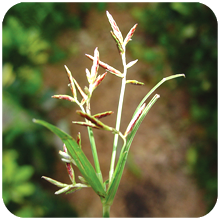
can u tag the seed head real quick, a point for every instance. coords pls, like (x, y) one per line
(103, 114)
(130, 34)
(95, 66)
(64, 97)
(107, 67)
(115, 27)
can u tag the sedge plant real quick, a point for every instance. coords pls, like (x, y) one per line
(72, 154)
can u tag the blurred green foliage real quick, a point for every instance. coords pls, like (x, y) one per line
(29, 42)
(185, 35)
(15, 178)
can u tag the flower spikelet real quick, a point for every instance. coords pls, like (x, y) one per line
(130, 34)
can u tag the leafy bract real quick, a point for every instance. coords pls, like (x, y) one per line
(124, 152)
(79, 157)
(155, 87)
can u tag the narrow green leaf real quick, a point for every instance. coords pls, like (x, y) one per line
(131, 135)
(116, 179)
(124, 152)
(80, 158)
(155, 87)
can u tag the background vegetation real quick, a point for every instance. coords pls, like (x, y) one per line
(187, 34)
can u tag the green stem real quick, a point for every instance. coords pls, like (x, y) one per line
(118, 119)
(106, 211)
(94, 154)
(93, 145)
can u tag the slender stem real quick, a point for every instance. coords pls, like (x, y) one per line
(93, 146)
(92, 143)
(106, 211)
(94, 154)
(118, 119)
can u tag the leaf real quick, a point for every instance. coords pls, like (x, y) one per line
(23, 173)
(131, 135)
(134, 119)
(155, 87)
(24, 189)
(116, 179)
(124, 152)
(78, 155)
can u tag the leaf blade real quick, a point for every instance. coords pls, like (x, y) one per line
(124, 153)
(78, 155)
(155, 87)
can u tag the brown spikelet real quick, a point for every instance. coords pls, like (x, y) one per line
(95, 121)
(72, 85)
(99, 80)
(85, 124)
(130, 34)
(78, 139)
(115, 27)
(103, 114)
(95, 66)
(107, 67)
(69, 167)
(64, 97)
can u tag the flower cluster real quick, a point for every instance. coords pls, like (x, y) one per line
(93, 121)
(68, 188)
(94, 80)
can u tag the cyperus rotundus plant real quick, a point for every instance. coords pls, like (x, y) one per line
(72, 153)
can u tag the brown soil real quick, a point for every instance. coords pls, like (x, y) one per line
(156, 181)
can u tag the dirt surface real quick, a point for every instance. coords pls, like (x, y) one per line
(156, 181)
